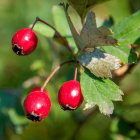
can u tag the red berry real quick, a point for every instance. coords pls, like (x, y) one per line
(70, 95)
(24, 41)
(37, 105)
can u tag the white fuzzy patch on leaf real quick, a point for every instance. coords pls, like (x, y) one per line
(99, 63)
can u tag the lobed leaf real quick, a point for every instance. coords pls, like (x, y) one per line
(92, 36)
(100, 92)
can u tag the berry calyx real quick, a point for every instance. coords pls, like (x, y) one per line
(70, 95)
(37, 105)
(24, 41)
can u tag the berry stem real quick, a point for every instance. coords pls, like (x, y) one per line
(54, 71)
(37, 19)
(56, 32)
(75, 73)
(65, 9)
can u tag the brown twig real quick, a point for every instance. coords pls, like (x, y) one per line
(92, 112)
(117, 78)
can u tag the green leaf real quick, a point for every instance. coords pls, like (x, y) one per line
(127, 32)
(74, 32)
(60, 21)
(62, 25)
(131, 116)
(116, 9)
(82, 6)
(44, 30)
(11, 110)
(16, 118)
(100, 92)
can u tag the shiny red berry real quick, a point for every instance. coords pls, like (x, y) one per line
(37, 105)
(70, 95)
(24, 41)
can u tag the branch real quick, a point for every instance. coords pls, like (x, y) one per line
(89, 115)
(121, 73)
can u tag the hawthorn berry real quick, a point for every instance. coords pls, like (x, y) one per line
(24, 41)
(37, 105)
(70, 95)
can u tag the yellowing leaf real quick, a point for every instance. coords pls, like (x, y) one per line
(91, 36)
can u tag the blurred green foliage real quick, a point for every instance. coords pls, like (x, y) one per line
(19, 74)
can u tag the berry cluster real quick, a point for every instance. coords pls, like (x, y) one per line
(37, 104)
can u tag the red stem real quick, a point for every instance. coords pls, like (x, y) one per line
(68, 47)
(53, 72)
(75, 73)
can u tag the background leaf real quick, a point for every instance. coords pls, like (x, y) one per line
(100, 92)
(114, 11)
(44, 30)
(60, 21)
(127, 32)
(82, 6)
(9, 110)
(62, 26)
